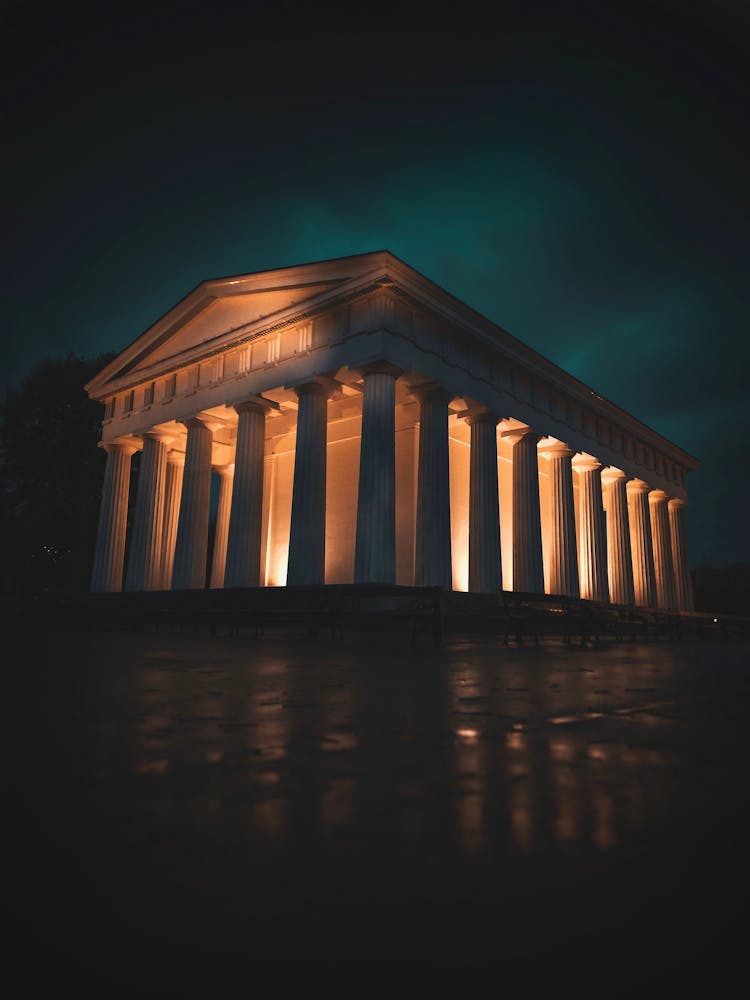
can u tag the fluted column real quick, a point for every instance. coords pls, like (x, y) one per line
(172, 495)
(192, 526)
(219, 561)
(485, 568)
(375, 552)
(528, 568)
(592, 541)
(641, 550)
(144, 560)
(307, 535)
(563, 558)
(619, 562)
(683, 583)
(106, 574)
(660, 535)
(246, 517)
(432, 566)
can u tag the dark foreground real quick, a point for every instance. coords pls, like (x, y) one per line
(352, 819)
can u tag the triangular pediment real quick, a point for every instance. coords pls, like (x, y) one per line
(219, 317)
(221, 310)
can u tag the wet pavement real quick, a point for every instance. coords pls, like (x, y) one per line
(289, 817)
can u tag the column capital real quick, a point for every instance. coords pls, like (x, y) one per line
(583, 462)
(223, 470)
(552, 448)
(521, 433)
(255, 404)
(637, 486)
(319, 385)
(611, 474)
(176, 457)
(379, 367)
(200, 421)
(158, 435)
(478, 413)
(657, 496)
(677, 503)
(429, 389)
(123, 447)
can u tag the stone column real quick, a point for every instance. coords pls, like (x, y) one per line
(592, 540)
(375, 552)
(641, 550)
(563, 558)
(485, 568)
(172, 495)
(619, 562)
(433, 528)
(192, 526)
(663, 570)
(683, 583)
(528, 568)
(144, 559)
(106, 574)
(307, 534)
(246, 517)
(219, 561)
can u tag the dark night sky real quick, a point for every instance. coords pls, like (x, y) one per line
(577, 172)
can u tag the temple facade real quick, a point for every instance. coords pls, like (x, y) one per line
(360, 424)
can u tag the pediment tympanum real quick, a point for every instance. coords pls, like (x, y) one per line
(218, 308)
(219, 317)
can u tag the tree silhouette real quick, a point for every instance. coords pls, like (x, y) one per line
(51, 474)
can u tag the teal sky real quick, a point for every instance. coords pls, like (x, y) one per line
(577, 175)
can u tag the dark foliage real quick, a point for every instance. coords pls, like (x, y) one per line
(51, 474)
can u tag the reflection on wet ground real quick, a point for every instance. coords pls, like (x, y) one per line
(186, 801)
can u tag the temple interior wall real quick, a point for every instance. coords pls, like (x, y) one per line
(278, 479)
(544, 512)
(342, 481)
(505, 488)
(459, 457)
(407, 456)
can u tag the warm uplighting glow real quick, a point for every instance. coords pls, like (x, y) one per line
(470, 735)
(567, 720)
(461, 569)
(562, 750)
(338, 741)
(279, 471)
(158, 766)
(459, 453)
(276, 565)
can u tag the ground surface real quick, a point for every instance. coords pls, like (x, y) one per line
(360, 817)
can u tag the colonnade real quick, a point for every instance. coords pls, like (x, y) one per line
(624, 543)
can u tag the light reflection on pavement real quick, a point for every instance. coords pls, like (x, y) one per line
(308, 786)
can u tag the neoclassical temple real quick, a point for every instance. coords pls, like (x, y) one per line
(360, 424)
